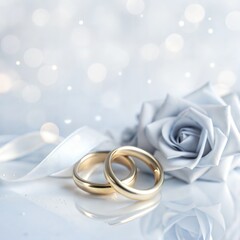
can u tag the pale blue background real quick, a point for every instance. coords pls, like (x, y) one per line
(112, 36)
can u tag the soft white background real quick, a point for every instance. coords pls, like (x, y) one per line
(75, 63)
(65, 64)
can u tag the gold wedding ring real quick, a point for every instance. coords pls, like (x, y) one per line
(87, 163)
(129, 191)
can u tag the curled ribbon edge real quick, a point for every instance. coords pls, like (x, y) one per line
(59, 161)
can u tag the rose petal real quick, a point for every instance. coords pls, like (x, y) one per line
(203, 143)
(189, 171)
(172, 106)
(129, 137)
(205, 95)
(220, 116)
(233, 144)
(233, 100)
(171, 153)
(190, 127)
(236, 161)
(188, 175)
(170, 165)
(169, 128)
(153, 134)
(147, 114)
(203, 120)
(220, 172)
(190, 143)
(214, 156)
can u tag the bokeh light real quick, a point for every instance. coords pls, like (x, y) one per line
(181, 23)
(69, 88)
(210, 31)
(31, 93)
(33, 57)
(47, 75)
(81, 37)
(72, 61)
(98, 118)
(227, 78)
(233, 20)
(97, 72)
(40, 17)
(5, 83)
(174, 42)
(68, 121)
(212, 65)
(194, 13)
(135, 6)
(49, 132)
(10, 44)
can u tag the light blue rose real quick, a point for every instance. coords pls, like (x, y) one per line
(195, 137)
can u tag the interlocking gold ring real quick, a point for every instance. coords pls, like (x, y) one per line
(101, 188)
(120, 186)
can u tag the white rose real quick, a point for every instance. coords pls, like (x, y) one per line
(196, 137)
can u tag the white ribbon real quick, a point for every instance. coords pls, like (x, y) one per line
(58, 162)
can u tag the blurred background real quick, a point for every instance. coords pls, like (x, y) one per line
(69, 63)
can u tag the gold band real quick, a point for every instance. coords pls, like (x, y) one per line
(120, 186)
(92, 159)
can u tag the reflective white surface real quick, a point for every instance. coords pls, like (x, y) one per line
(55, 208)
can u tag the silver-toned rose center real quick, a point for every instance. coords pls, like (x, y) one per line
(187, 139)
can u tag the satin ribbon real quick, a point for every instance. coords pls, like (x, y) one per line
(58, 162)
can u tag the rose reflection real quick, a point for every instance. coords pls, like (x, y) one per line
(202, 210)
